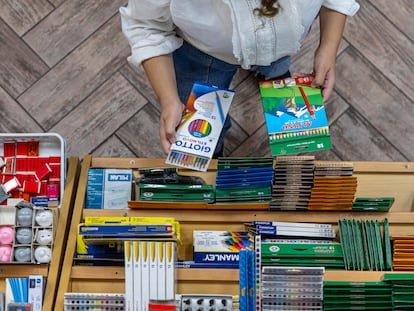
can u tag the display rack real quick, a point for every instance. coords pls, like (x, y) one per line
(52, 270)
(375, 179)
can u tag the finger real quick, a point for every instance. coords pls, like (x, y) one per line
(166, 139)
(318, 80)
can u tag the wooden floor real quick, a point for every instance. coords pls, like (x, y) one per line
(63, 69)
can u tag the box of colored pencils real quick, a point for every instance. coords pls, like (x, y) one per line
(295, 116)
(200, 127)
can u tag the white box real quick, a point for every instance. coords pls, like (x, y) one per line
(153, 269)
(108, 188)
(170, 257)
(35, 293)
(145, 274)
(129, 277)
(136, 260)
(161, 262)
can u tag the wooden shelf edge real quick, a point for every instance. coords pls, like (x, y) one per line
(231, 216)
(223, 275)
(140, 205)
(118, 273)
(22, 270)
(359, 166)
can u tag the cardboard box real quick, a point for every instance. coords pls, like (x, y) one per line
(108, 188)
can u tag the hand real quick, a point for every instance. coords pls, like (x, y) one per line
(170, 118)
(324, 73)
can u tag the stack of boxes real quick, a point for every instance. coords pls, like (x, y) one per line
(33, 234)
(30, 173)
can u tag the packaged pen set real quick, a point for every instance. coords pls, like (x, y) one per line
(295, 116)
(200, 127)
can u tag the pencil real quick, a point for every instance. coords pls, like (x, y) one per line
(307, 103)
(220, 109)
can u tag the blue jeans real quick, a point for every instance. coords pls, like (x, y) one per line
(192, 65)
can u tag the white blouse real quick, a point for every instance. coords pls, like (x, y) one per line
(225, 29)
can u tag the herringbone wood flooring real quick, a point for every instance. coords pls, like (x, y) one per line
(63, 69)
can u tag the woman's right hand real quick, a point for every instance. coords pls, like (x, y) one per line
(170, 118)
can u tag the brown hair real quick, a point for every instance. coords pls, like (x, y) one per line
(269, 8)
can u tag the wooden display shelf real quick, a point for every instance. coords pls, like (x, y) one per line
(52, 270)
(375, 179)
(22, 270)
(222, 275)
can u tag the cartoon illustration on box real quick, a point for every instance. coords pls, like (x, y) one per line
(295, 116)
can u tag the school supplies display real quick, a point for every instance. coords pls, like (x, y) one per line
(32, 167)
(295, 116)
(403, 253)
(219, 246)
(193, 302)
(200, 127)
(150, 274)
(292, 182)
(300, 288)
(402, 285)
(334, 186)
(166, 175)
(244, 180)
(94, 301)
(363, 244)
(291, 229)
(176, 193)
(247, 280)
(305, 252)
(344, 295)
(100, 240)
(108, 188)
(372, 204)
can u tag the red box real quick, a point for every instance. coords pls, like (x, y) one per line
(21, 148)
(8, 168)
(21, 164)
(54, 159)
(55, 170)
(43, 188)
(9, 149)
(32, 164)
(31, 187)
(33, 148)
(43, 172)
(21, 177)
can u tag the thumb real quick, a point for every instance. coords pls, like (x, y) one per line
(318, 79)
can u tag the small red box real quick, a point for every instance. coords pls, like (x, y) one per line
(8, 168)
(55, 170)
(32, 164)
(43, 188)
(54, 159)
(21, 164)
(9, 149)
(21, 177)
(31, 187)
(33, 148)
(21, 148)
(43, 172)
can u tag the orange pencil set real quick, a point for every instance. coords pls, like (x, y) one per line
(200, 127)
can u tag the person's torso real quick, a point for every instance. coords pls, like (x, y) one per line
(231, 31)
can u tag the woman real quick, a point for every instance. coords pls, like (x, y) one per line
(179, 42)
